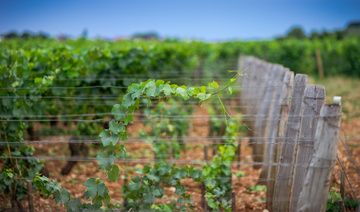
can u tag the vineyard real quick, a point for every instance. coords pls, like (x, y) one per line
(176, 126)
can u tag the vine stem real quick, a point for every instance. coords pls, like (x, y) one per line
(7, 143)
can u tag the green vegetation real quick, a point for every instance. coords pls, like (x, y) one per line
(33, 69)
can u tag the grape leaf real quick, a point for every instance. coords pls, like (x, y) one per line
(167, 89)
(115, 127)
(104, 161)
(181, 91)
(114, 173)
(107, 138)
(119, 112)
(127, 101)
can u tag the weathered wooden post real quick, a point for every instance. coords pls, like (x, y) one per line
(314, 194)
(30, 195)
(262, 121)
(277, 128)
(314, 99)
(281, 197)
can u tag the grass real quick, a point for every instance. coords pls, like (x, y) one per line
(346, 87)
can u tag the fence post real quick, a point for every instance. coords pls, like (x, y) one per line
(281, 197)
(30, 195)
(277, 129)
(314, 99)
(319, 64)
(317, 182)
(264, 108)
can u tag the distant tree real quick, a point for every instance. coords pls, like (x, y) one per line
(10, 35)
(297, 33)
(315, 35)
(353, 28)
(26, 35)
(146, 36)
(339, 34)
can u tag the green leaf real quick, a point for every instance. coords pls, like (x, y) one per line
(152, 176)
(181, 91)
(159, 82)
(150, 88)
(159, 89)
(214, 85)
(107, 138)
(194, 174)
(167, 89)
(190, 91)
(74, 205)
(180, 190)
(156, 192)
(230, 90)
(212, 204)
(123, 151)
(127, 101)
(203, 89)
(203, 96)
(104, 161)
(65, 196)
(93, 188)
(149, 198)
(116, 127)
(114, 173)
(119, 112)
(102, 189)
(134, 88)
(57, 196)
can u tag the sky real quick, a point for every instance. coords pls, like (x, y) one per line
(210, 20)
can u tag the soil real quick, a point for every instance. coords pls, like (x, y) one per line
(246, 200)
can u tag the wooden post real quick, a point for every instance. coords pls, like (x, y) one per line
(342, 192)
(271, 126)
(203, 200)
(233, 201)
(30, 195)
(125, 183)
(238, 154)
(319, 63)
(277, 129)
(317, 182)
(206, 153)
(314, 99)
(262, 122)
(281, 197)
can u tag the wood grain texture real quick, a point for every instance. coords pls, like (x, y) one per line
(275, 144)
(281, 197)
(262, 120)
(317, 182)
(314, 99)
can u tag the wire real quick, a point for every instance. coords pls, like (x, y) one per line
(147, 161)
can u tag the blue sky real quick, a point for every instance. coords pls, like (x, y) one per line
(189, 19)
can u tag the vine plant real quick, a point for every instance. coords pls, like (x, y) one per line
(143, 189)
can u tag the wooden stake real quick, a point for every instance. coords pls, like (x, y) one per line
(238, 154)
(283, 181)
(233, 201)
(30, 195)
(342, 192)
(314, 99)
(315, 190)
(203, 200)
(319, 63)
(206, 153)
(125, 183)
